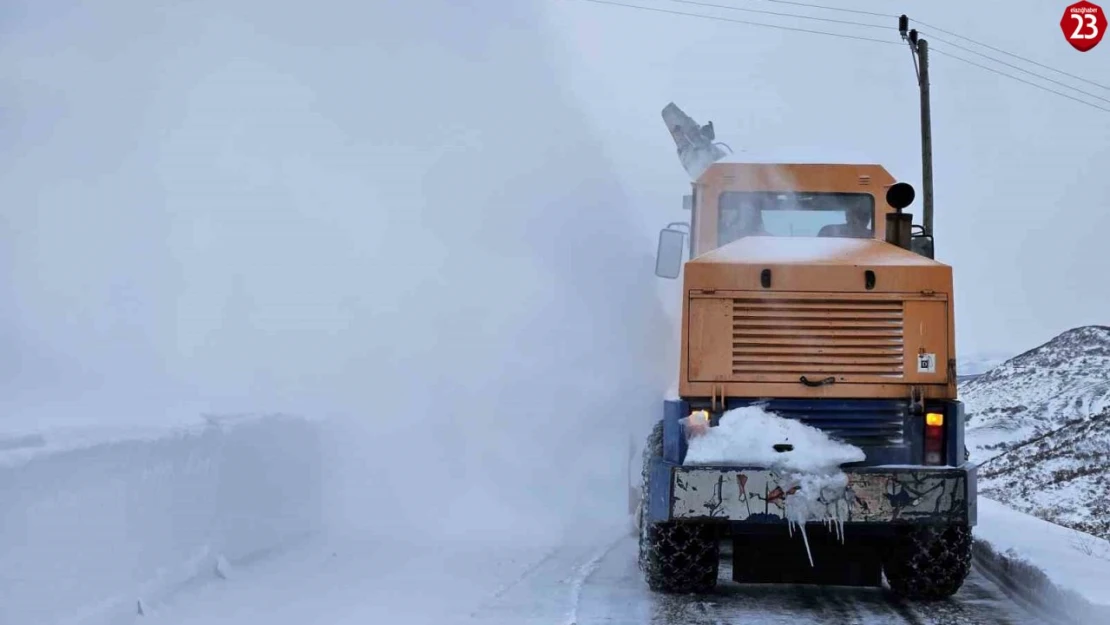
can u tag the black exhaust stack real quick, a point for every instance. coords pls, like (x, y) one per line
(899, 225)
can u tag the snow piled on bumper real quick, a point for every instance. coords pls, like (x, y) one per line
(747, 437)
(816, 488)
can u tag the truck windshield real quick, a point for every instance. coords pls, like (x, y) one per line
(763, 213)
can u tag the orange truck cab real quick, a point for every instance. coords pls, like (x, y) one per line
(806, 291)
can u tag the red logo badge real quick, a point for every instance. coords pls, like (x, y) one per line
(1083, 25)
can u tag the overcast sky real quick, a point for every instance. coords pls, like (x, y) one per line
(1021, 208)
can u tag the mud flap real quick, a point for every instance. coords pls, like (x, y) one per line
(781, 559)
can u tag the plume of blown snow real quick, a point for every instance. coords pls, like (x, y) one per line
(384, 213)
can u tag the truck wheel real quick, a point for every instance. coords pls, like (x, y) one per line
(674, 557)
(928, 562)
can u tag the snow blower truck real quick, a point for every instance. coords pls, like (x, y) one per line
(807, 292)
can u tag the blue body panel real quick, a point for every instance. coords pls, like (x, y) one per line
(954, 433)
(658, 506)
(674, 436)
(973, 501)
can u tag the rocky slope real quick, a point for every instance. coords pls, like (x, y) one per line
(1063, 477)
(1040, 425)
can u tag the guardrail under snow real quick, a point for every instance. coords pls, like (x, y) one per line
(94, 523)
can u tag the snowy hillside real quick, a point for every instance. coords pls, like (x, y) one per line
(1040, 424)
(1038, 391)
(1062, 477)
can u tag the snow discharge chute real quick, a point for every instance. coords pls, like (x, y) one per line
(696, 149)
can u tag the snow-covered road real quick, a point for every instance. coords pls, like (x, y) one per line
(616, 595)
(590, 580)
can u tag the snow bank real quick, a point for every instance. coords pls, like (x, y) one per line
(807, 459)
(93, 525)
(1059, 568)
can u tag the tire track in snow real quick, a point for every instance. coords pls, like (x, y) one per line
(847, 612)
(613, 593)
(1020, 596)
(584, 573)
(550, 589)
(505, 588)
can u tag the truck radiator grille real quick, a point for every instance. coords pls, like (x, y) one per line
(842, 338)
(864, 423)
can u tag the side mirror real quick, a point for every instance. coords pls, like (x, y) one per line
(668, 256)
(922, 245)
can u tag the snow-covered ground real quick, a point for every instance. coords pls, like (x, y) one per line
(217, 522)
(352, 579)
(1056, 565)
(589, 577)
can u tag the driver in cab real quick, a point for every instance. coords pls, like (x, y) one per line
(857, 219)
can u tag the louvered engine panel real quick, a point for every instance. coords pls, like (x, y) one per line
(849, 339)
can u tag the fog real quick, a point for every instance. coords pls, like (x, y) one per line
(388, 214)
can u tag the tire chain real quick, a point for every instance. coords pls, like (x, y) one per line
(674, 557)
(653, 447)
(928, 562)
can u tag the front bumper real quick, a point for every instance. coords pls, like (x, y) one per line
(874, 495)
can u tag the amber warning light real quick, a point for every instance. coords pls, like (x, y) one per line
(934, 438)
(697, 423)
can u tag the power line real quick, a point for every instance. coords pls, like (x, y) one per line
(795, 15)
(829, 8)
(1001, 73)
(859, 38)
(749, 23)
(1031, 73)
(928, 26)
(947, 32)
(978, 43)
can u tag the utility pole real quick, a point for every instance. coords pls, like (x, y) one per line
(919, 48)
